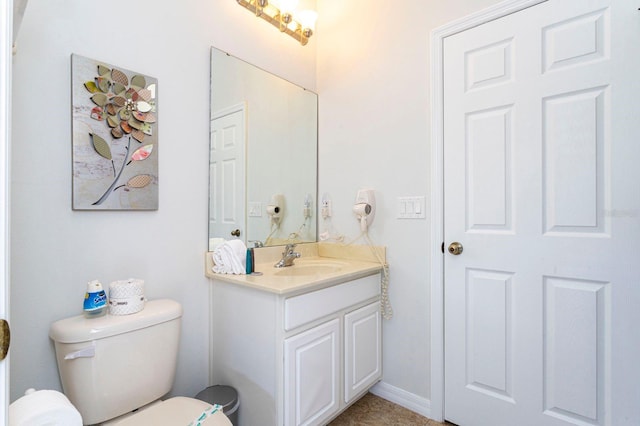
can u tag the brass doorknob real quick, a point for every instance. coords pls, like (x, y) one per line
(455, 248)
(5, 339)
(235, 233)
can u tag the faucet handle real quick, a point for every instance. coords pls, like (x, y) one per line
(289, 247)
(257, 243)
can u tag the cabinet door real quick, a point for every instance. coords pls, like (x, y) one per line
(312, 375)
(363, 354)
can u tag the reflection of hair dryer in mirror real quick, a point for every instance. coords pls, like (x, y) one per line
(365, 208)
(275, 208)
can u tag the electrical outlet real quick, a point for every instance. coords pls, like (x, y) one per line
(325, 210)
(308, 206)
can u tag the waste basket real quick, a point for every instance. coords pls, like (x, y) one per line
(222, 395)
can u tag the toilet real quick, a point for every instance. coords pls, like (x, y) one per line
(115, 369)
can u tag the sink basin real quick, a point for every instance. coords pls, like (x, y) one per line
(310, 268)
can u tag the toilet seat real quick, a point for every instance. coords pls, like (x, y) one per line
(176, 411)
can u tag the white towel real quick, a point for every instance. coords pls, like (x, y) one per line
(230, 258)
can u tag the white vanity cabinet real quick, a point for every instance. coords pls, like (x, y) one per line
(296, 358)
(312, 361)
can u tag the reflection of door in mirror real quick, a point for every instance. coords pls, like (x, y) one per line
(226, 172)
(281, 155)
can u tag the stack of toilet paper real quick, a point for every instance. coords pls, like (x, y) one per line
(126, 296)
(43, 407)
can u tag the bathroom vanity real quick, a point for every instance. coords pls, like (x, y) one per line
(302, 343)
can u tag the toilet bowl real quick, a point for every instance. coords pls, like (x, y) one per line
(178, 410)
(51, 408)
(116, 369)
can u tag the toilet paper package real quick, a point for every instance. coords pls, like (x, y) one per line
(126, 297)
(43, 407)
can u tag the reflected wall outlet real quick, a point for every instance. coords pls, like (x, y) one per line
(255, 209)
(325, 210)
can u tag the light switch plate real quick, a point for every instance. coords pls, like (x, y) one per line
(411, 208)
(255, 209)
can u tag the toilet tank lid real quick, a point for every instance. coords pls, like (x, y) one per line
(81, 329)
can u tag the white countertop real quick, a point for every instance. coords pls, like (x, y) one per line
(320, 266)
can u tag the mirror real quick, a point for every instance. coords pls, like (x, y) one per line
(263, 156)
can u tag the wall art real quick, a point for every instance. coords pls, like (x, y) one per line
(115, 137)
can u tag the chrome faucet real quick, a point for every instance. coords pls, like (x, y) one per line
(288, 256)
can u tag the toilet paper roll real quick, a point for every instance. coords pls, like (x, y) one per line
(44, 407)
(126, 296)
(123, 289)
(126, 306)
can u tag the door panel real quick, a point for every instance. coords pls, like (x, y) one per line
(489, 342)
(6, 18)
(311, 375)
(540, 187)
(575, 317)
(488, 146)
(573, 148)
(227, 172)
(362, 350)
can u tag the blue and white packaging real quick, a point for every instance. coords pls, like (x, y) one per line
(95, 300)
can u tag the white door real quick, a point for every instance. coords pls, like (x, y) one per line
(6, 18)
(542, 190)
(227, 179)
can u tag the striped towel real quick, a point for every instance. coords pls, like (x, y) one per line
(210, 411)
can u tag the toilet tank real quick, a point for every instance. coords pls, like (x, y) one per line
(112, 365)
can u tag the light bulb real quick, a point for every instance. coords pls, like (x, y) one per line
(285, 6)
(307, 19)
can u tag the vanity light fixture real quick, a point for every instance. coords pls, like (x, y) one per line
(283, 15)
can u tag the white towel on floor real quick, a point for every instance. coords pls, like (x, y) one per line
(230, 258)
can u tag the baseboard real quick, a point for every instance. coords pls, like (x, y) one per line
(405, 399)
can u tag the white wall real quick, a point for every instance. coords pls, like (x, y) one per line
(373, 81)
(55, 250)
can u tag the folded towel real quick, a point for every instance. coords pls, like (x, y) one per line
(230, 257)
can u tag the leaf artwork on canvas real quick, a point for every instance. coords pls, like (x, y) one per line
(125, 104)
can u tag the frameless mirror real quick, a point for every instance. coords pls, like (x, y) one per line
(263, 155)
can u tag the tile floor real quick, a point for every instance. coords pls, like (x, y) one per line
(372, 410)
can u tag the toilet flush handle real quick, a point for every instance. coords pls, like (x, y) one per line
(88, 352)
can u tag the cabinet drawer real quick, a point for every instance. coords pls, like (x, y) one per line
(308, 307)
